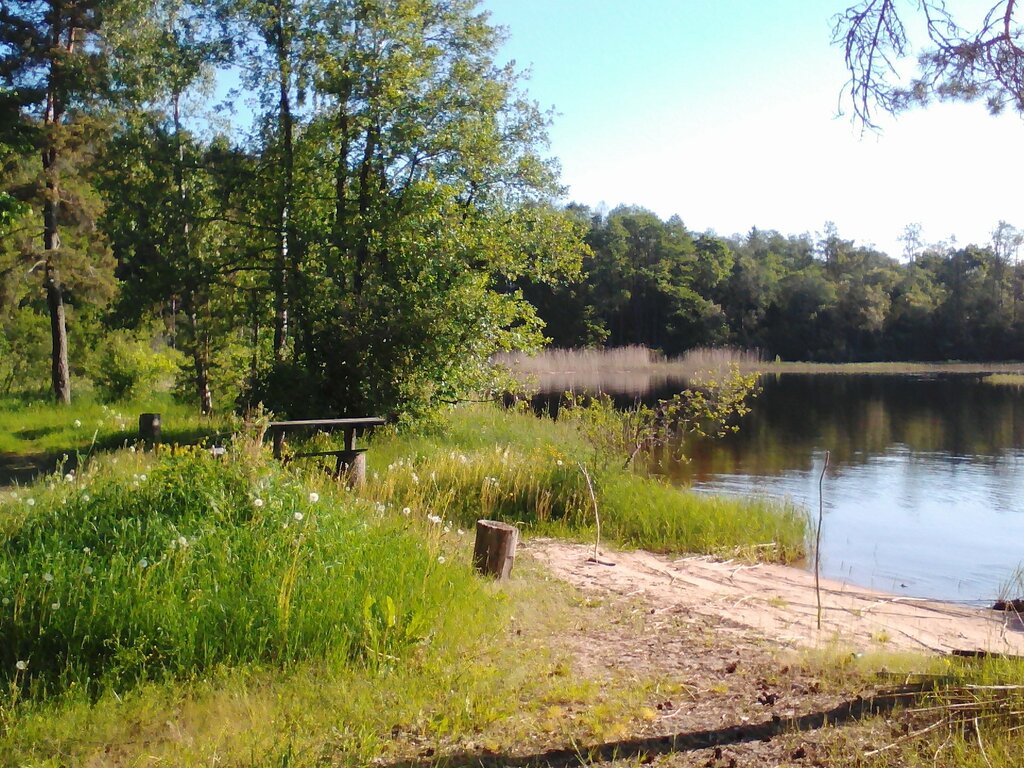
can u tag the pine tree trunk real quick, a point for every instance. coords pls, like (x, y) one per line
(53, 118)
(60, 375)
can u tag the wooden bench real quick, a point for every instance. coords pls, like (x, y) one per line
(350, 460)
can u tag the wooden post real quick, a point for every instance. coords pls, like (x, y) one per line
(352, 466)
(278, 442)
(149, 428)
(495, 550)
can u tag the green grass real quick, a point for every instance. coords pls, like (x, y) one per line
(33, 426)
(126, 573)
(511, 466)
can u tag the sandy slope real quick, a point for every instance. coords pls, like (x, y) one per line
(780, 603)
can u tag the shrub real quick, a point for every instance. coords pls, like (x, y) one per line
(127, 366)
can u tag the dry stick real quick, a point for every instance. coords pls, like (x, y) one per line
(817, 539)
(597, 517)
(593, 499)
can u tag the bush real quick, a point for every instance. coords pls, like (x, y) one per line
(198, 563)
(128, 367)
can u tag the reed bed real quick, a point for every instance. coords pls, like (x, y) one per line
(634, 370)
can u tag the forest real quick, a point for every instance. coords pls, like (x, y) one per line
(817, 298)
(347, 207)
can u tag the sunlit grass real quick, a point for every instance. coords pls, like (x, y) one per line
(30, 426)
(518, 468)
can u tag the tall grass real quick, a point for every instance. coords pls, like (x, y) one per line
(516, 467)
(633, 369)
(136, 573)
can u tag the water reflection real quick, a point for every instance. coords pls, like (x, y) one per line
(925, 491)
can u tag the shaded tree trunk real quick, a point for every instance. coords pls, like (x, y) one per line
(60, 377)
(282, 263)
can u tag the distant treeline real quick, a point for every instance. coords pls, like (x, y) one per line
(653, 282)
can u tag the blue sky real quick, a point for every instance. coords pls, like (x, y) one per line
(724, 112)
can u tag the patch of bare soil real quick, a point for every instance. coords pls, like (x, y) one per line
(726, 632)
(780, 602)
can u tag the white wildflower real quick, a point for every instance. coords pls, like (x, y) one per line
(182, 542)
(21, 665)
(78, 423)
(69, 477)
(87, 550)
(142, 477)
(314, 497)
(298, 516)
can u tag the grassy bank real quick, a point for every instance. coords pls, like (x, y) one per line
(512, 466)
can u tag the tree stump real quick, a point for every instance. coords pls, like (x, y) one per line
(495, 549)
(351, 466)
(149, 428)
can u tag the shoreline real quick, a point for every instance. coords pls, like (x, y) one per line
(779, 602)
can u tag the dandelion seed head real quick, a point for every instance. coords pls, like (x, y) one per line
(88, 570)
(440, 558)
(85, 497)
(143, 563)
(434, 519)
(461, 532)
(54, 606)
(257, 503)
(21, 665)
(314, 497)
(30, 501)
(447, 529)
(142, 477)
(182, 542)
(6, 601)
(298, 516)
(406, 511)
(69, 477)
(559, 462)
(47, 577)
(131, 449)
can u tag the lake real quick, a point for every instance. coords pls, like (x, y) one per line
(924, 495)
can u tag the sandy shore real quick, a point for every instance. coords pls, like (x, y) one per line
(779, 602)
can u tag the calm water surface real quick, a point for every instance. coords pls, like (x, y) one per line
(924, 494)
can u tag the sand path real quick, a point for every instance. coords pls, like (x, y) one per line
(779, 602)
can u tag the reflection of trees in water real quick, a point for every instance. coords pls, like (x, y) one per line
(858, 417)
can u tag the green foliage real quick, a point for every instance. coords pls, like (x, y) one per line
(513, 466)
(190, 562)
(24, 351)
(709, 407)
(127, 366)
